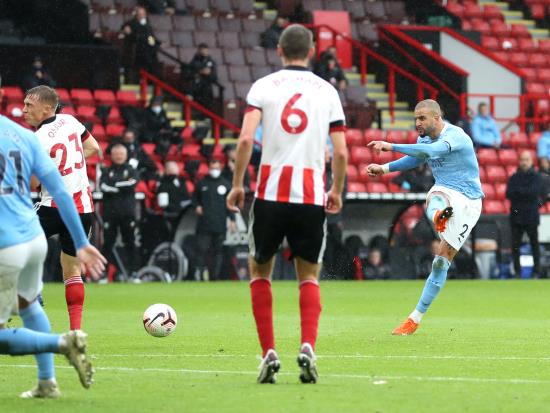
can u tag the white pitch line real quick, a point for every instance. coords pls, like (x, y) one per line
(337, 376)
(340, 356)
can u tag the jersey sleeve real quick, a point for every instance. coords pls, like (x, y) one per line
(455, 140)
(254, 98)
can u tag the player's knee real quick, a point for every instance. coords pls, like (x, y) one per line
(439, 263)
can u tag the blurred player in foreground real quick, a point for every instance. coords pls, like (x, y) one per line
(298, 110)
(454, 202)
(68, 143)
(23, 249)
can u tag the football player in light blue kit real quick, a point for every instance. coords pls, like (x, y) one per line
(453, 203)
(23, 249)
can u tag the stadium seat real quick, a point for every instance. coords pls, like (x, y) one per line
(519, 59)
(360, 154)
(354, 137)
(191, 152)
(243, 7)
(256, 57)
(492, 206)
(98, 132)
(249, 39)
(481, 26)
(500, 191)
(362, 173)
(377, 187)
(511, 169)
(544, 46)
(412, 136)
(160, 22)
(114, 130)
(127, 98)
(356, 187)
(64, 95)
(490, 43)
(384, 157)
(229, 40)
(520, 31)
(530, 74)
(259, 72)
(394, 188)
(231, 25)
(387, 178)
(508, 157)
(455, 8)
(82, 97)
(13, 94)
(15, 111)
(205, 37)
(501, 29)
(518, 140)
(536, 88)
(488, 190)
(183, 39)
(487, 156)
(104, 97)
(87, 114)
(240, 74)
(68, 110)
(538, 60)
(527, 45)
(496, 173)
(234, 57)
(396, 136)
(115, 116)
(352, 173)
(373, 135)
(482, 174)
(491, 11)
(544, 75)
(255, 25)
(184, 23)
(242, 89)
(207, 24)
(356, 9)
(112, 22)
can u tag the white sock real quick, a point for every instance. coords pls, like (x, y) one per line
(416, 316)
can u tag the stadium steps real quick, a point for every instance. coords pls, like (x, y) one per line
(517, 17)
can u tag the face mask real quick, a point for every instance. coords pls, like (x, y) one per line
(143, 21)
(214, 173)
(156, 109)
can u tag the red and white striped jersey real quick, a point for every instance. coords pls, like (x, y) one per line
(299, 110)
(62, 136)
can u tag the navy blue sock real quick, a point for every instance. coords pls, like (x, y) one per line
(34, 318)
(434, 283)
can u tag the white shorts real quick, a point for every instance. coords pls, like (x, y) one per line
(466, 213)
(21, 269)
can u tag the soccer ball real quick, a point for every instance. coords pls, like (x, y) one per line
(160, 320)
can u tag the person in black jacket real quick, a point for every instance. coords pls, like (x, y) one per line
(172, 194)
(419, 179)
(118, 183)
(139, 46)
(525, 190)
(157, 127)
(137, 158)
(209, 201)
(204, 75)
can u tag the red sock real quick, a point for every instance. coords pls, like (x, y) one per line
(74, 295)
(262, 302)
(310, 309)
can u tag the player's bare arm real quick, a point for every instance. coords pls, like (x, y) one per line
(235, 198)
(90, 147)
(339, 166)
(380, 146)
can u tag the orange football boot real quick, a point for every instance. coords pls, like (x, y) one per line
(441, 217)
(406, 329)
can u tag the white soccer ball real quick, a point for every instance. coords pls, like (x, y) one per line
(160, 320)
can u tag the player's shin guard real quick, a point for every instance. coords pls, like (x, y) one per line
(34, 318)
(262, 307)
(310, 310)
(20, 341)
(74, 295)
(437, 203)
(434, 283)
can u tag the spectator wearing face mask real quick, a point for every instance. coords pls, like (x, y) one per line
(157, 128)
(139, 46)
(172, 194)
(209, 201)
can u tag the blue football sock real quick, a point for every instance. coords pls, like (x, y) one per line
(20, 341)
(34, 318)
(437, 203)
(434, 283)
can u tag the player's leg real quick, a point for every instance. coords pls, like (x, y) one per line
(533, 234)
(265, 236)
(307, 240)
(517, 235)
(72, 273)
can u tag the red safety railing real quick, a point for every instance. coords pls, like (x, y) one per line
(365, 53)
(532, 108)
(188, 104)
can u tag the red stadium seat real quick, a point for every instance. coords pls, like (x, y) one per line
(412, 136)
(362, 175)
(527, 45)
(500, 191)
(488, 190)
(487, 156)
(454, 8)
(518, 140)
(508, 157)
(384, 157)
(377, 187)
(68, 110)
(466, 25)
(472, 10)
(207, 24)
(115, 116)
(373, 135)
(240, 74)
(530, 74)
(98, 132)
(481, 26)
(396, 136)
(356, 187)
(511, 169)
(491, 207)
(87, 114)
(15, 111)
(114, 130)
(394, 188)
(482, 174)
(496, 173)
(82, 97)
(490, 43)
(519, 59)
(544, 75)
(501, 29)
(64, 95)
(539, 60)
(352, 173)
(536, 88)
(229, 40)
(360, 154)
(544, 45)
(184, 23)
(104, 97)
(387, 178)
(354, 137)
(492, 12)
(13, 94)
(191, 152)
(520, 30)
(127, 98)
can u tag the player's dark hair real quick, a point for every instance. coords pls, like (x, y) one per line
(295, 41)
(481, 104)
(45, 94)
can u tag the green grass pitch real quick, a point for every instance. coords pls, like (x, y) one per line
(483, 347)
